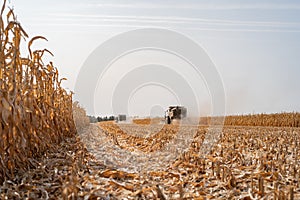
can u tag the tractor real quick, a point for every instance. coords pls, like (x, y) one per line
(175, 112)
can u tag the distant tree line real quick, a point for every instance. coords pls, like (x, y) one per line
(94, 119)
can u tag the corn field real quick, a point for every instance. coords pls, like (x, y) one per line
(80, 117)
(36, 112)
(49, 150)
(147, 121)
(276, 119)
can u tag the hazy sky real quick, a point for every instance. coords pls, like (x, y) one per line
(255, 44)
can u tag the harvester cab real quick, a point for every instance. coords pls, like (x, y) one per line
(175, 112)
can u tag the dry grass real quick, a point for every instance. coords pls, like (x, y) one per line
(35, 110)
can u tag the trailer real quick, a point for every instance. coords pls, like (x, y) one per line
(121, 118)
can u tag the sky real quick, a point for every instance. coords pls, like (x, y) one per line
(254, 45)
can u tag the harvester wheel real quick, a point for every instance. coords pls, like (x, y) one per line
(168, 120)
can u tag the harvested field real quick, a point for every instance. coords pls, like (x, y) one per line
(246, 163)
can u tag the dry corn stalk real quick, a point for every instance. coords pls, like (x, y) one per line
(276, 119)
(35, 111)
(81, 120)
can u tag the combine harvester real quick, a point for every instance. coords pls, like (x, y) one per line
(175, 113)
